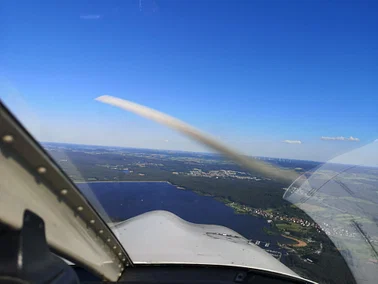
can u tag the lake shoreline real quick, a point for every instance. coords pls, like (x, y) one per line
(133, 181)
(139, 197)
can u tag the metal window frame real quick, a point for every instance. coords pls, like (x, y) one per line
(19, 147)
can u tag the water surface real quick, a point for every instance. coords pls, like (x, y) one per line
(124, 200)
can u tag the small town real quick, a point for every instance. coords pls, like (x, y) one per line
(271, 216)
(223, 174)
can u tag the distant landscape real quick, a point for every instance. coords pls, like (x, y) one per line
(312, 254)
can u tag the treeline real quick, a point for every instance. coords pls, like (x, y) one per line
(263, 194)
(258, 194)
(327, 267)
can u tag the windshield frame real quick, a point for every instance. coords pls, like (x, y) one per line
(29, 158)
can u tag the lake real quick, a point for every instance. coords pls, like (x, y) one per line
(123, 200)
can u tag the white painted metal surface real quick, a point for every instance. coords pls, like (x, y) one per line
(65, 231)
(160, 237)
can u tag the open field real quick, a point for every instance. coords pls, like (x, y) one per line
(299, 244)
(292, 227)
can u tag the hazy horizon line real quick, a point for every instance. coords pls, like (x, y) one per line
(186, 151)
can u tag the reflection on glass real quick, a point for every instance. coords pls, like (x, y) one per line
(343, 200)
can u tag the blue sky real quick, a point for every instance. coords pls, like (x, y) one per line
(252, 73)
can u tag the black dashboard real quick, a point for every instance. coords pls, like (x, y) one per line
(169, 274)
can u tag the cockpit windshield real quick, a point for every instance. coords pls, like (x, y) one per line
(289, 87)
